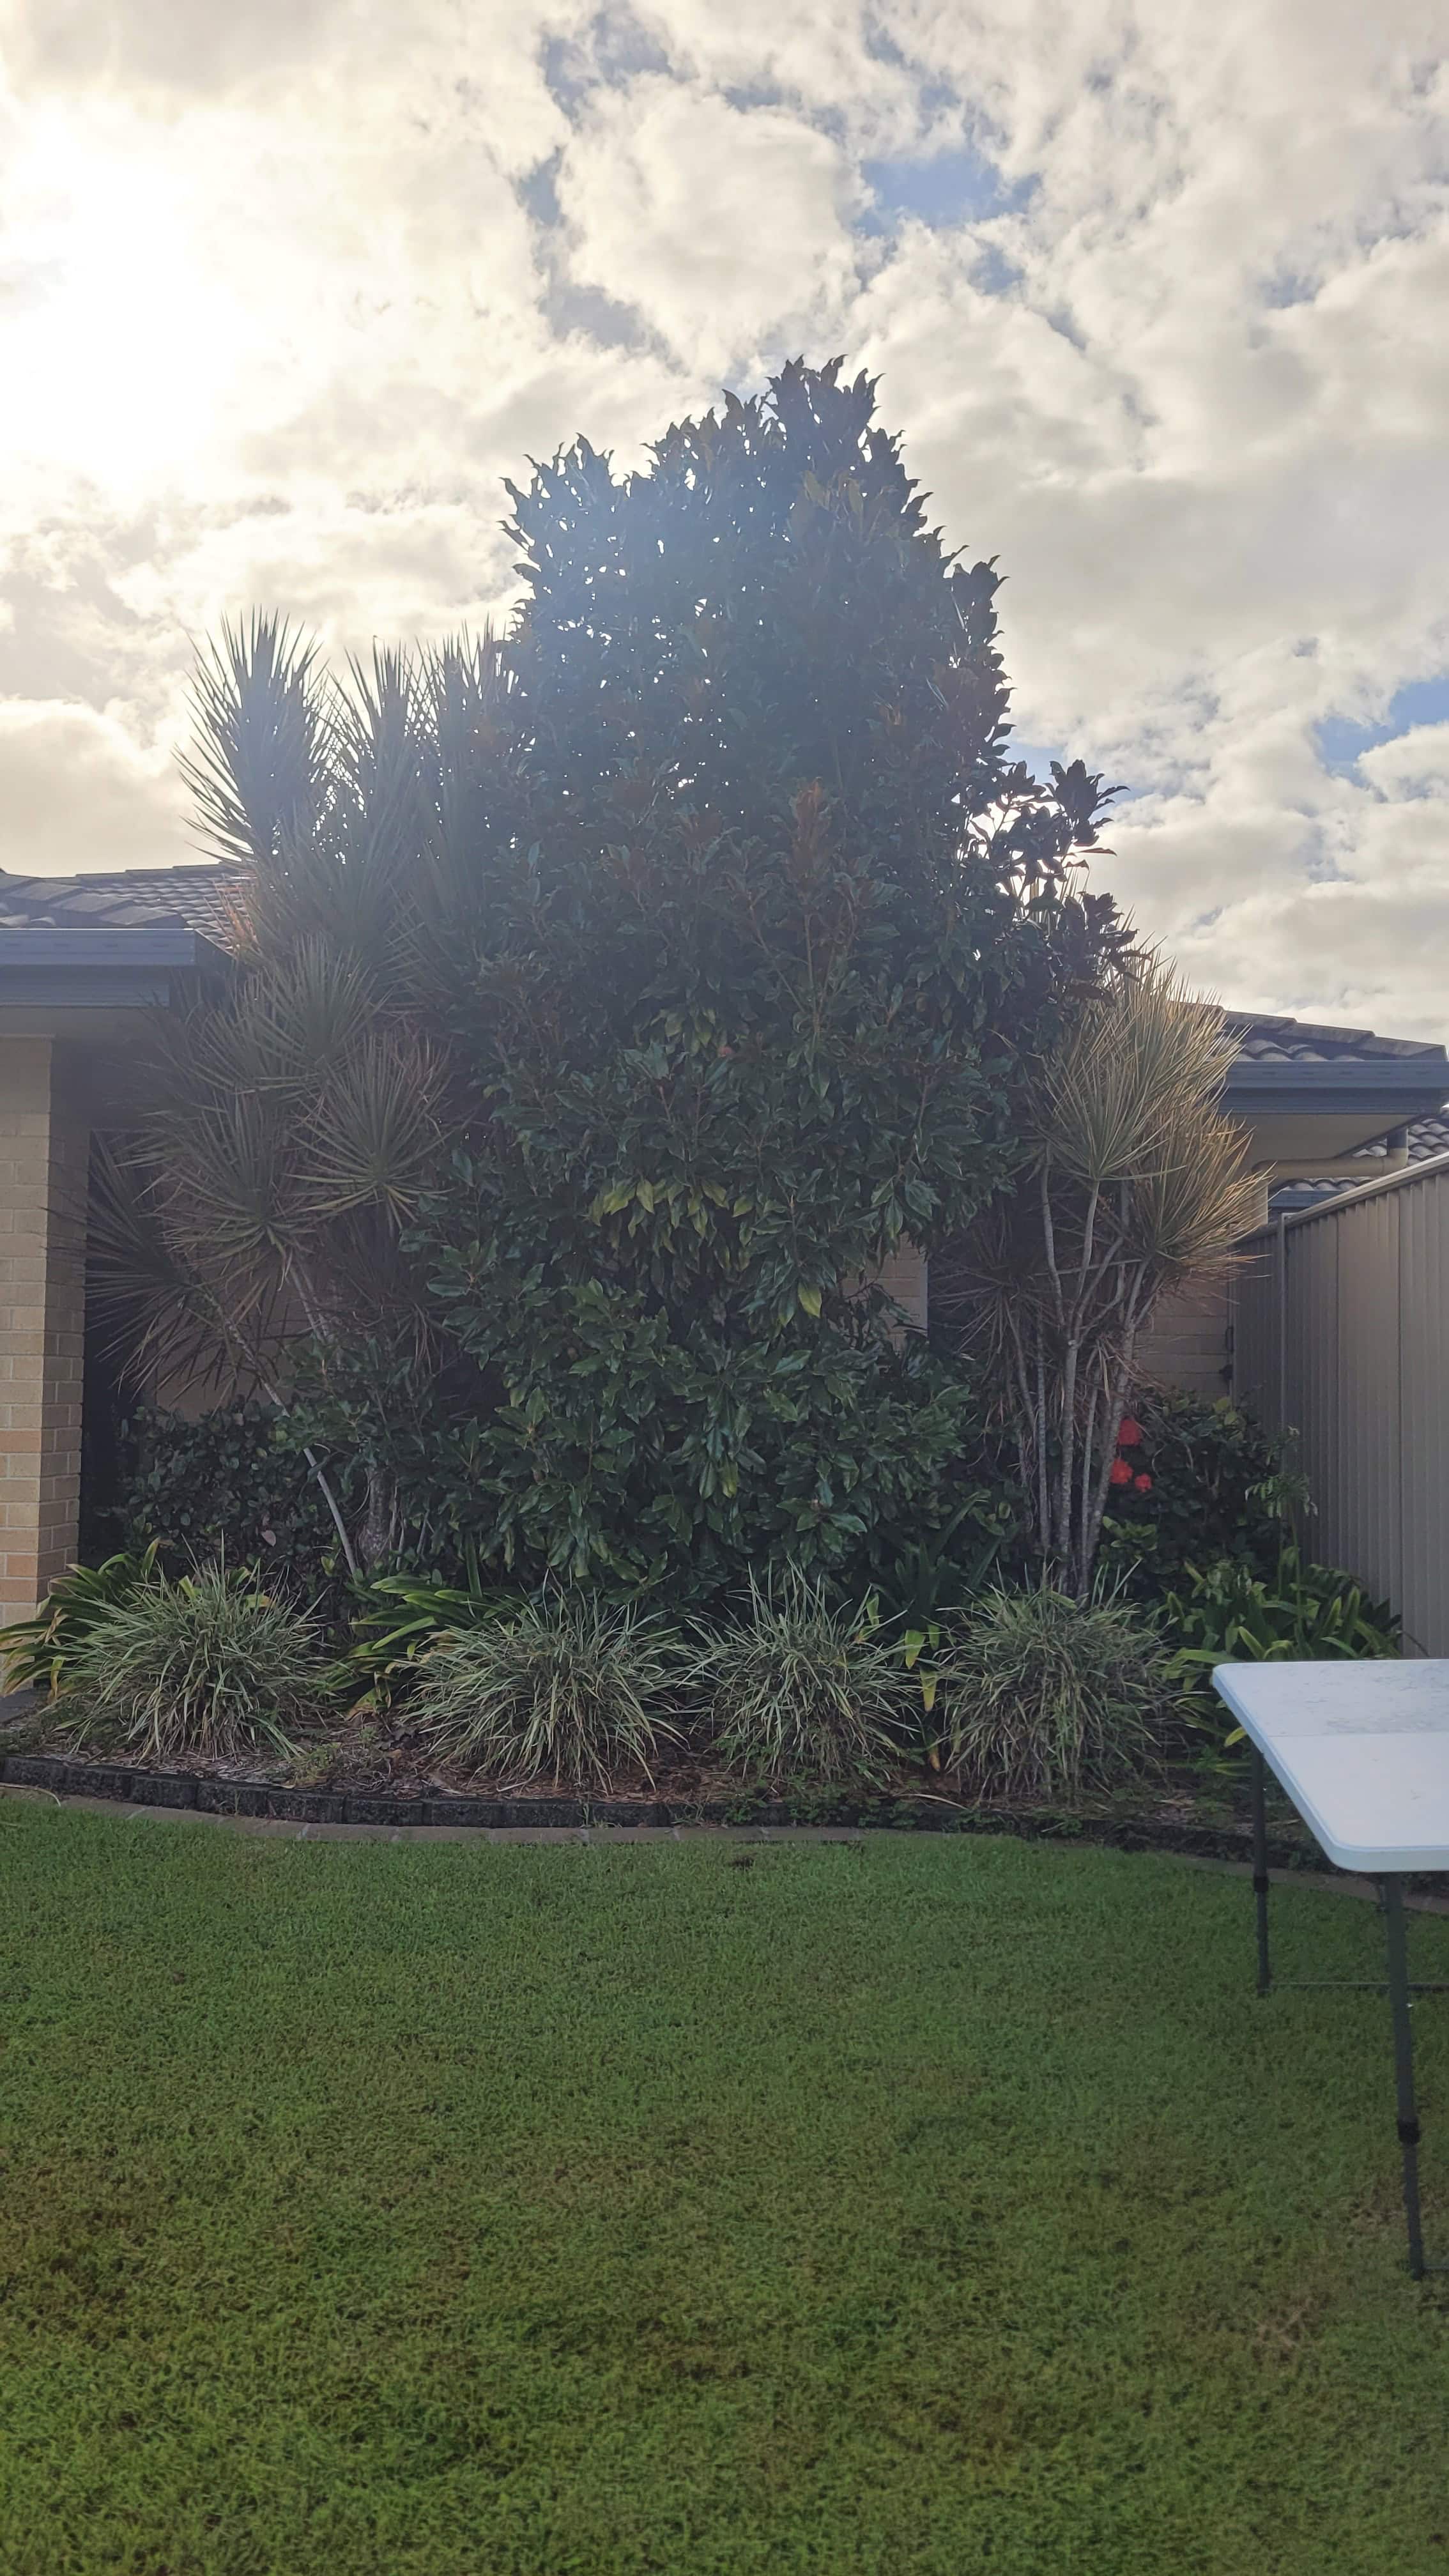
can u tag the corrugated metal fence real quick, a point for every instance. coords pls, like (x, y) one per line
(1341, 1335)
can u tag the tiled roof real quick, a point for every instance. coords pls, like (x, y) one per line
(1265, 1039)
(198, 897)
(1424, 1136)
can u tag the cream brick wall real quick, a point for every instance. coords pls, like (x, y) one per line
(1185, 1348)
(44, 1153)
(904, 1278)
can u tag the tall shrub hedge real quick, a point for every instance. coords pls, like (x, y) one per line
(642, 982)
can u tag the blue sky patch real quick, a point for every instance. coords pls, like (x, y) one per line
(948, 188)
(1420, 702)
(614, 49)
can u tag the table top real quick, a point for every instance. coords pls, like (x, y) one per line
(1362, 1749)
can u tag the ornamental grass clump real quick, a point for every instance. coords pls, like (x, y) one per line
(1050, 1697)
(798, 1690)
(565, 1689)
(208, 1665)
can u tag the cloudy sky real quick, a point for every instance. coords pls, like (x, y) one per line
(1157, 289)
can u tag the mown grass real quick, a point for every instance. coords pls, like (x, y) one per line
(921, 2205)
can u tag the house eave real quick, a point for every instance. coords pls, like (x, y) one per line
(101, 970)
(1394, 1089)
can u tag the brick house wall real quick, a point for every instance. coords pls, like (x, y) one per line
(44, 1155)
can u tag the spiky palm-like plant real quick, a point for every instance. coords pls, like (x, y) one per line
(1136, 1187)
(295, 1114)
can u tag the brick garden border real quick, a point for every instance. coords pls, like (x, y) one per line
(188, 1792)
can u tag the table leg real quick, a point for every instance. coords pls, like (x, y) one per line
(1260, 1869)
(1404, 2066)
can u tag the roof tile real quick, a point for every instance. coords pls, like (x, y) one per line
(197, 896)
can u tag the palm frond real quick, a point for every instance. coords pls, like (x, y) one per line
(265, 736)
(157, 1317)
(373, 1136)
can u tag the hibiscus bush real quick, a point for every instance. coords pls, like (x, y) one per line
(1194, 1482)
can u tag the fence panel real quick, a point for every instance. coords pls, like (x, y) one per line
(1362, 1471)
(1341, 1337)
(1424, 1339)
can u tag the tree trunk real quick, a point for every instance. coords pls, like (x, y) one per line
(378, 1536)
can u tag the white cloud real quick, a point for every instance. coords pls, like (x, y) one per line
(1414, 764)
(723, 228)
(286, 291)
(76, 793)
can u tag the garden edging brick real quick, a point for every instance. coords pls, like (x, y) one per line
(131, 1786)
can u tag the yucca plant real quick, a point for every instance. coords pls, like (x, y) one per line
(1135, 1186)
(566, 1689)
(40, 1652)
(797, 1689)
(209, 1665)
(1050, 1696)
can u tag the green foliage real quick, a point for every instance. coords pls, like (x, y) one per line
(797, 1689)
(1300, 1613)
(41, 1651)
(231, 1483)
(1133, 1185)
(207, 1665)
(566, 1688)
(921, 1577)
(400, 1617)
(613, 1002)
(1218, 1489)
(1050, 1697)
(750, 1003)
(920, 1580)
(629, 1446)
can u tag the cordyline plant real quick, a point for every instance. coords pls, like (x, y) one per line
(1136, 1188)
(295, 1113)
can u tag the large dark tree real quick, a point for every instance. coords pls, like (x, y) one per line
(724, 924)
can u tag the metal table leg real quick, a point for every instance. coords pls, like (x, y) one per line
(1260, 1869)
(1400, 1992)
(1399, 2000)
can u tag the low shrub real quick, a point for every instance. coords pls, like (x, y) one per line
(798, 1690)
(209, 1664)
(565, 1688)
(1049, 1697)
(233, 1484)
(1304, 1613)
(42, 1650)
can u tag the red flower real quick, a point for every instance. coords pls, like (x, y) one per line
(1143, 1484)
(1121, 1473)
(1129, 1435)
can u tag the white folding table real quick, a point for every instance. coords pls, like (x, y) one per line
(1362, 1750)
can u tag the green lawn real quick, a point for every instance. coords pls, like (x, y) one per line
(922, 2205)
